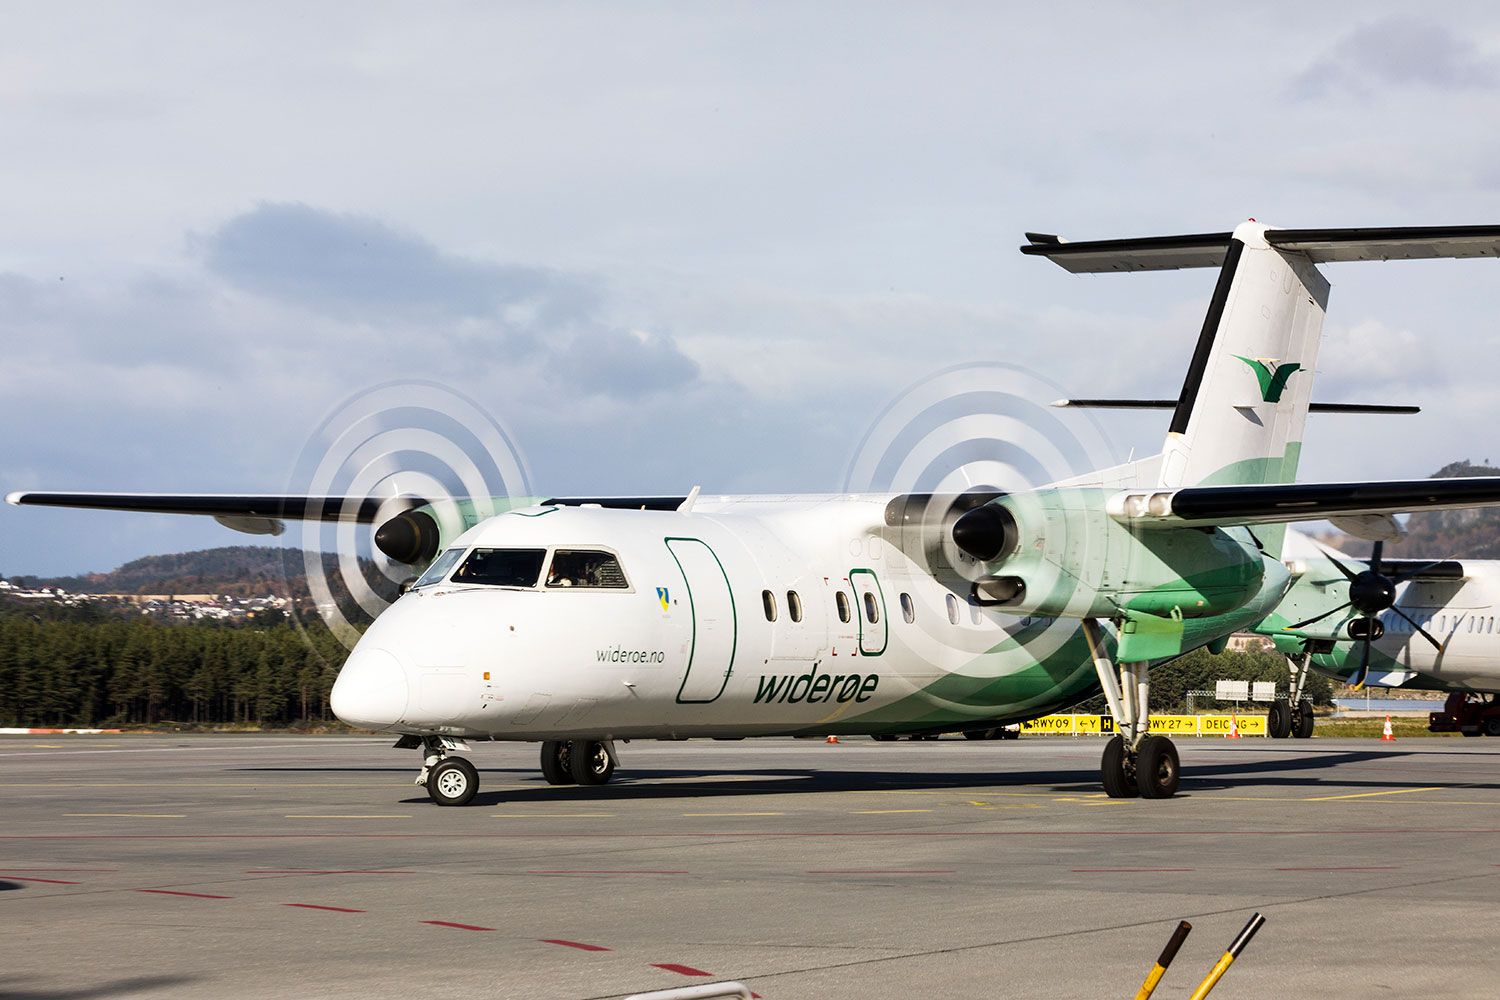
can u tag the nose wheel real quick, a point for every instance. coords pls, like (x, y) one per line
(453, 782)
(449, 780)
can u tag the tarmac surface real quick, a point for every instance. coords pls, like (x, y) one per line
(277, 866)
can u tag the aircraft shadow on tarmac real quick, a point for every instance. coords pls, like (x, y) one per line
(28, 988)
(1312, 770)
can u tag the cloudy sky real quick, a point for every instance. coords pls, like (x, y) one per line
(668, 245)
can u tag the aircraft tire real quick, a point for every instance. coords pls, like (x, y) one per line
(981, 734)
(1158, 768)
(884, 737)
(1279, 720)
(453, 781)
(555, 763)
(1010, 734)
(1302, 721)
(1491, 725)
(1117, 783)
(590, 762)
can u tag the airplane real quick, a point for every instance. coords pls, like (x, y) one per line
(583, 622)
(1412, 623)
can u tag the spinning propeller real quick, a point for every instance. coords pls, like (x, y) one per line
(1370, 593)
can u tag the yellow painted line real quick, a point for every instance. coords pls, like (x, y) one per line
(873, 812)
(1365, 795)
(339, 816)
(46, 746)
(134, 815)
(736, 814)
(551, 815)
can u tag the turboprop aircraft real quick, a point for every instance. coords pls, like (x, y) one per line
(1420, 624)
(583, 621)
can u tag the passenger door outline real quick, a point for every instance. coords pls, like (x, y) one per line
(865, 581)
(707, 632)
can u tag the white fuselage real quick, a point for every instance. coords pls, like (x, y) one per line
(747, 616)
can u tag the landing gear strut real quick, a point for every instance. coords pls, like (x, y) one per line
(1135, 762)
(1295, 718)
(450, 781)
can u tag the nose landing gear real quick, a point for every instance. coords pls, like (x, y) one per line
(450, 781)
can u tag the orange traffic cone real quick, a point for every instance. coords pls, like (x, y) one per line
(831, 739)
(1234, 728)
(1387, 736)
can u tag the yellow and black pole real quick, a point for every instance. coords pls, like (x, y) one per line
(1167, 954)
(1222, 966)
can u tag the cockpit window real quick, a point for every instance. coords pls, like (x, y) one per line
(439, 568)
(502, 567)
(576, 568)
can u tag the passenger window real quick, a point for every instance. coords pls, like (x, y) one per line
(952, 610)
(908, 609)
(975, 615)
(577, 568)
(794, 605)
(842, 600)
(502, 567)
(872, 610)
(769, 600)
(439, 568)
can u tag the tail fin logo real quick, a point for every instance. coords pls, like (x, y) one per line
(1272, 376)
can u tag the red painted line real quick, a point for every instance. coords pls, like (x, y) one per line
(1363, 868)
(309, 871)
(882, 871)
(462, 927)
(1093, 870)
(315, 906)
(686, 970)
(52, 881)
(589, 872)
(573, 944)
(173, 892)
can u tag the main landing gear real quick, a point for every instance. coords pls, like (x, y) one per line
(1135, 762)
(1293, 717)
(578, 762)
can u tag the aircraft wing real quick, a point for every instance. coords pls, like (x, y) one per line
(1222, 506)
(291, 508)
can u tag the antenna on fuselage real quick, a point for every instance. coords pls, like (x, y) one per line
(686, 507)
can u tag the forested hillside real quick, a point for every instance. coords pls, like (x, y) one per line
(1443, 534)
(236, 570)
(63, 666)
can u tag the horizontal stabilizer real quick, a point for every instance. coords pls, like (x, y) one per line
(1171, 404)
(1157, 253)
(1208, 506)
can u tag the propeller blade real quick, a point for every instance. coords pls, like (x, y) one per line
(1349, 574)
(1319, 618)
(1420, 630)
(1364, 664)
(1375, 554)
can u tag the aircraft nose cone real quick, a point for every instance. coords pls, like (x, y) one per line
(371, 690)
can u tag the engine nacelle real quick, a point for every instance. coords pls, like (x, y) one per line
(1057, 553)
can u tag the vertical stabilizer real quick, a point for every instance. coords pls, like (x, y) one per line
(1243, 406)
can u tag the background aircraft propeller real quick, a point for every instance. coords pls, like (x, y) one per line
(1370, 593)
